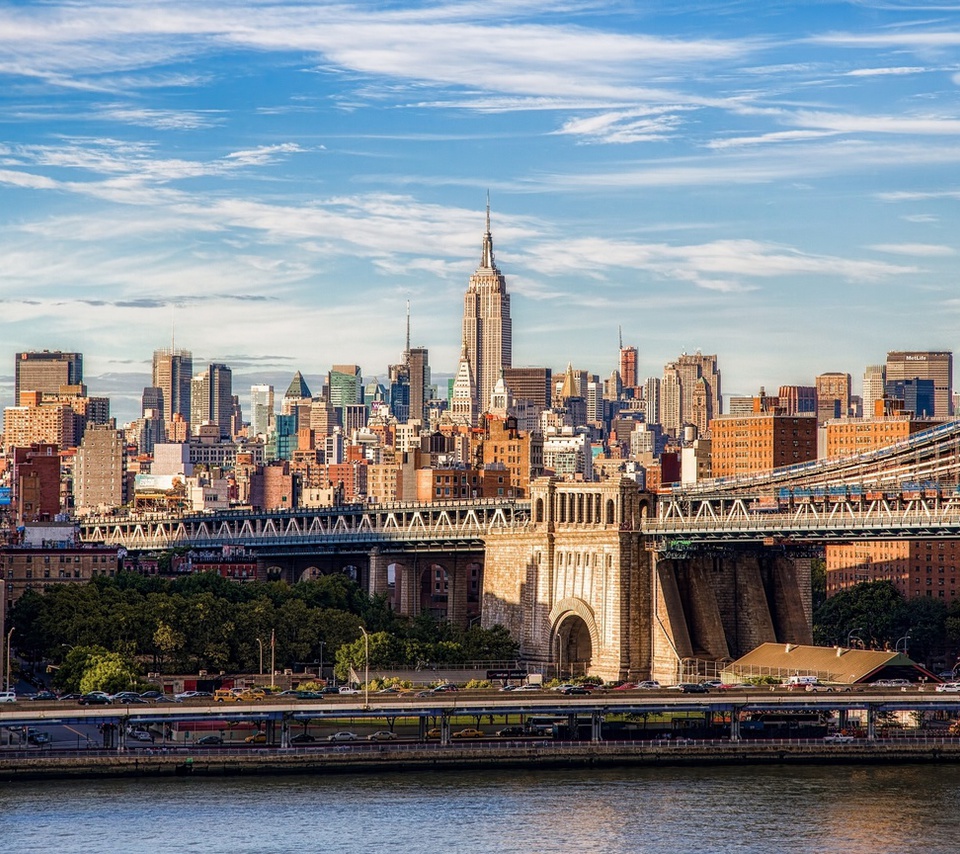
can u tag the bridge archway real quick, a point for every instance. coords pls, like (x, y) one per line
(311, 573)
(275, 573)
(575, 639)
(435, 591)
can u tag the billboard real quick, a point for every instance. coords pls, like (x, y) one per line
(5, 495)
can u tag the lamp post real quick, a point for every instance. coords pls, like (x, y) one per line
(850, 635)
(905, 639)
(260, 644)
(366, 667)
(273, 654)
(9, 636)
(320, 669)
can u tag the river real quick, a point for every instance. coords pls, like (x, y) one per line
(749, 810)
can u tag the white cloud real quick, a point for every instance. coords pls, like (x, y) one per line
(923, 250)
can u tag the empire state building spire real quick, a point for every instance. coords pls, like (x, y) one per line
(487, 260)
(487, 328)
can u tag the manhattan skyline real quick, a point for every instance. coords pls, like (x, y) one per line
(773, 183)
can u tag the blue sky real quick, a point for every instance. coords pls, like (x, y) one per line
(773, 182)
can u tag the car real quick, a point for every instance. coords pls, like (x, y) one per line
(711, 684)
(330, 689)
(127, 698)
(210, 739)
(574, 690)
(445, 689)
(434, 732)
(256, 738)
(509, 688)
(648, 685)
(95, 698)
(45, 695)
(382, 735)
(511, 732)
(469, 732)
(691, 688)
(163, 698)
(71, 697)
(303, 738)
(837, 738)
(190, 695)
(38, 737)
(530, 686)
(151, 695)
(8, 696)
(949, 688)
(342, 736)
(140, 735)
(346, 689)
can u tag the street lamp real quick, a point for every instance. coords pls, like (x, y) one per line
(559, 657)
(260, 644)
(9, 636)
(366, 667)
(320, 669)
(905, 638)
(850, 635)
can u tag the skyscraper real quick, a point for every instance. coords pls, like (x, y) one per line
(833, 396)
(212, 399)
(46, 371)
(687, 400)
(628, 365)
(926, 365)
(418, 362)
(874, 384)
(487, 329)
(172, 372)
(261, 409)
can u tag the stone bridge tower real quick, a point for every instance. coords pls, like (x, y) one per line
(573, 586)
(582, 594)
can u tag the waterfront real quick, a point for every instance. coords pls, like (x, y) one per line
(850, 809)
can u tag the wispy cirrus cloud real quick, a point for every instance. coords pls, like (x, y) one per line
(920, 250)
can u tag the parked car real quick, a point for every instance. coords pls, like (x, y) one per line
(95, 698)
(382, 735)
(949, 688)
(256, 738)
(837, 738)
(469, 732)
(303, 738)
(38, 737)
(346, 689)
(210, 739)
(342, 736)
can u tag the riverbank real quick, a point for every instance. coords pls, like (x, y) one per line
(377, 759)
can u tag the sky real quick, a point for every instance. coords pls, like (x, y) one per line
(267, 184)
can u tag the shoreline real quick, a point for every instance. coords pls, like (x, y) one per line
(140, 764)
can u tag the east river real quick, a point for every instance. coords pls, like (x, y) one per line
(826, 808)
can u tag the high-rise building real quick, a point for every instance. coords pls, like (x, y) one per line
(926, 365)
(651, 397)
(172, 373)
(297, 392)
(833, 396)
(344, 386)
(487, 328)
(211, 399)
(100, 477)
(874, 387)
(797, 399)
(419, 374)
(261, 409)
(756, 443)
(628, 366)
(690, 393)
(46, 371)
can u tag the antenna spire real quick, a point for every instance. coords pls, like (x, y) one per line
(407, 351)
(486, 256)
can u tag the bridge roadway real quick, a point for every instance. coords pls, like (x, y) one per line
(736, 704)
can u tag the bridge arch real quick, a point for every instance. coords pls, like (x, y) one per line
(575, 639)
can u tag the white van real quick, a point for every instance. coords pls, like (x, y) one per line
(8, 696)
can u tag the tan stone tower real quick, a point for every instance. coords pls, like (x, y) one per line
(487, 329)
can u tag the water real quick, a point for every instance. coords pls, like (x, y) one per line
(848, 809)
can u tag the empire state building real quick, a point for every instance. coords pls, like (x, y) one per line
(487, 330)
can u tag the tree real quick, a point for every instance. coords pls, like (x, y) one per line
(108, 672)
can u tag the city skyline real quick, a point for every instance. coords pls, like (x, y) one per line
(275, 181)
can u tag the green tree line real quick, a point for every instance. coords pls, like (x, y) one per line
(205, 622)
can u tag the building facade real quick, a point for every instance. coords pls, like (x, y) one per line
(46, 371)
(925, 365)
(487, 328)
